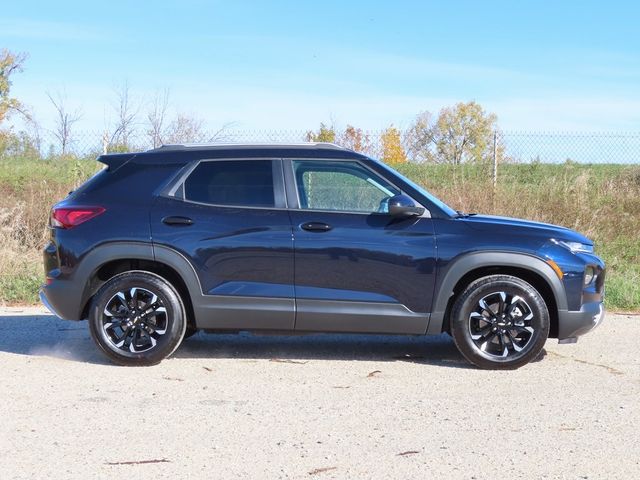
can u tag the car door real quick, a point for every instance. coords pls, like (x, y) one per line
(227, 218)
(357, 269)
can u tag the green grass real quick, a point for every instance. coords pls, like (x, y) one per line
(601, 201)
(622, 257)
(16, 174)
(21, 287)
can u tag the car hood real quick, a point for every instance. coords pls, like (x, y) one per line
(519, 226)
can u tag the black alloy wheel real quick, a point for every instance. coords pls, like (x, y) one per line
(499, 322)
(137, 318)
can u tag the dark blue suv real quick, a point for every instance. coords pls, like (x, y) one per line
(305, 238)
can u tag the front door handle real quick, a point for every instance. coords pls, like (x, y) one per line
(316, 227)
(177, 221)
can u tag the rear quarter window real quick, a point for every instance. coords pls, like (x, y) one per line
(92, 182)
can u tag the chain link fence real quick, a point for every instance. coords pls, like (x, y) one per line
(391, 145)
(555, 147)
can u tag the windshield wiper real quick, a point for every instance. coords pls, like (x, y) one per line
(461, 214)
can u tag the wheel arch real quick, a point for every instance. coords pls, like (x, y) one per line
(472, 266)
(109, 260)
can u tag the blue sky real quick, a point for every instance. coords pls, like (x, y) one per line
(539, 65)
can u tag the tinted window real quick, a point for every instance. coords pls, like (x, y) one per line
(342, 186)
(245, 183)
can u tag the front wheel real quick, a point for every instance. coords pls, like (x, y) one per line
(499, 322)
(137, 318)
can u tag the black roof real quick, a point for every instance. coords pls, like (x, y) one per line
(177, 154)
(185, 153)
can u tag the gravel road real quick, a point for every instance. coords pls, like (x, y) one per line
(317, 407)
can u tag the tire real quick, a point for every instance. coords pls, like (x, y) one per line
(499, 322)
(137, 318)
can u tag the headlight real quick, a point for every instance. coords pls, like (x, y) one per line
(589, 275)
(575, 246)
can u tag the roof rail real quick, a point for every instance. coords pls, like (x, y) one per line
(229, 145)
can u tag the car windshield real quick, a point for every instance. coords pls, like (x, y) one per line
(435, 200)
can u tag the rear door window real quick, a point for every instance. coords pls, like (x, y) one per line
(247, 183)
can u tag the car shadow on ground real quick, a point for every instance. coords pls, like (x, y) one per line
(47, 335)
(433, 350)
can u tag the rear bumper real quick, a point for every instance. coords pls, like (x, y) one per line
(60, 301)
(571, 325)
(45, 302)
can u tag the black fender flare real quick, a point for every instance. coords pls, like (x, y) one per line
(182, 266)
(472, 261)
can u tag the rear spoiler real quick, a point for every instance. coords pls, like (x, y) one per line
(113, 161)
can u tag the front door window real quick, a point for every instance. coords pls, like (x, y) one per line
(341, 186)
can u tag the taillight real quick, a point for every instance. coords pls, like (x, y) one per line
(69, 217)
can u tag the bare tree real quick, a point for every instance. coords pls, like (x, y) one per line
(156, 117)
(126, 115)
(190, 129)
(34, 131)
(222, 134)
(185, 129)
(65, 120)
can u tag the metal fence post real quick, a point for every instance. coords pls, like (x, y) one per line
(495, 160)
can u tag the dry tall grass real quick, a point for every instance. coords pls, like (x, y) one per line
(602, 206)
(27, 191)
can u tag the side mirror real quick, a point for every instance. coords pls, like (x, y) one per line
(403, 206)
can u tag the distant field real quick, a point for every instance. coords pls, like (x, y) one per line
(601, 201)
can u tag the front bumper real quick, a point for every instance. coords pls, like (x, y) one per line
(571, 325)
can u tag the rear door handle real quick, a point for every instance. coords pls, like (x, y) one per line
(177, 221)
(316, 227)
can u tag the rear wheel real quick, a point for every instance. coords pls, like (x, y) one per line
(499, 322)
(137, 318)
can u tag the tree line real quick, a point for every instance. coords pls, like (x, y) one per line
(462, 133)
